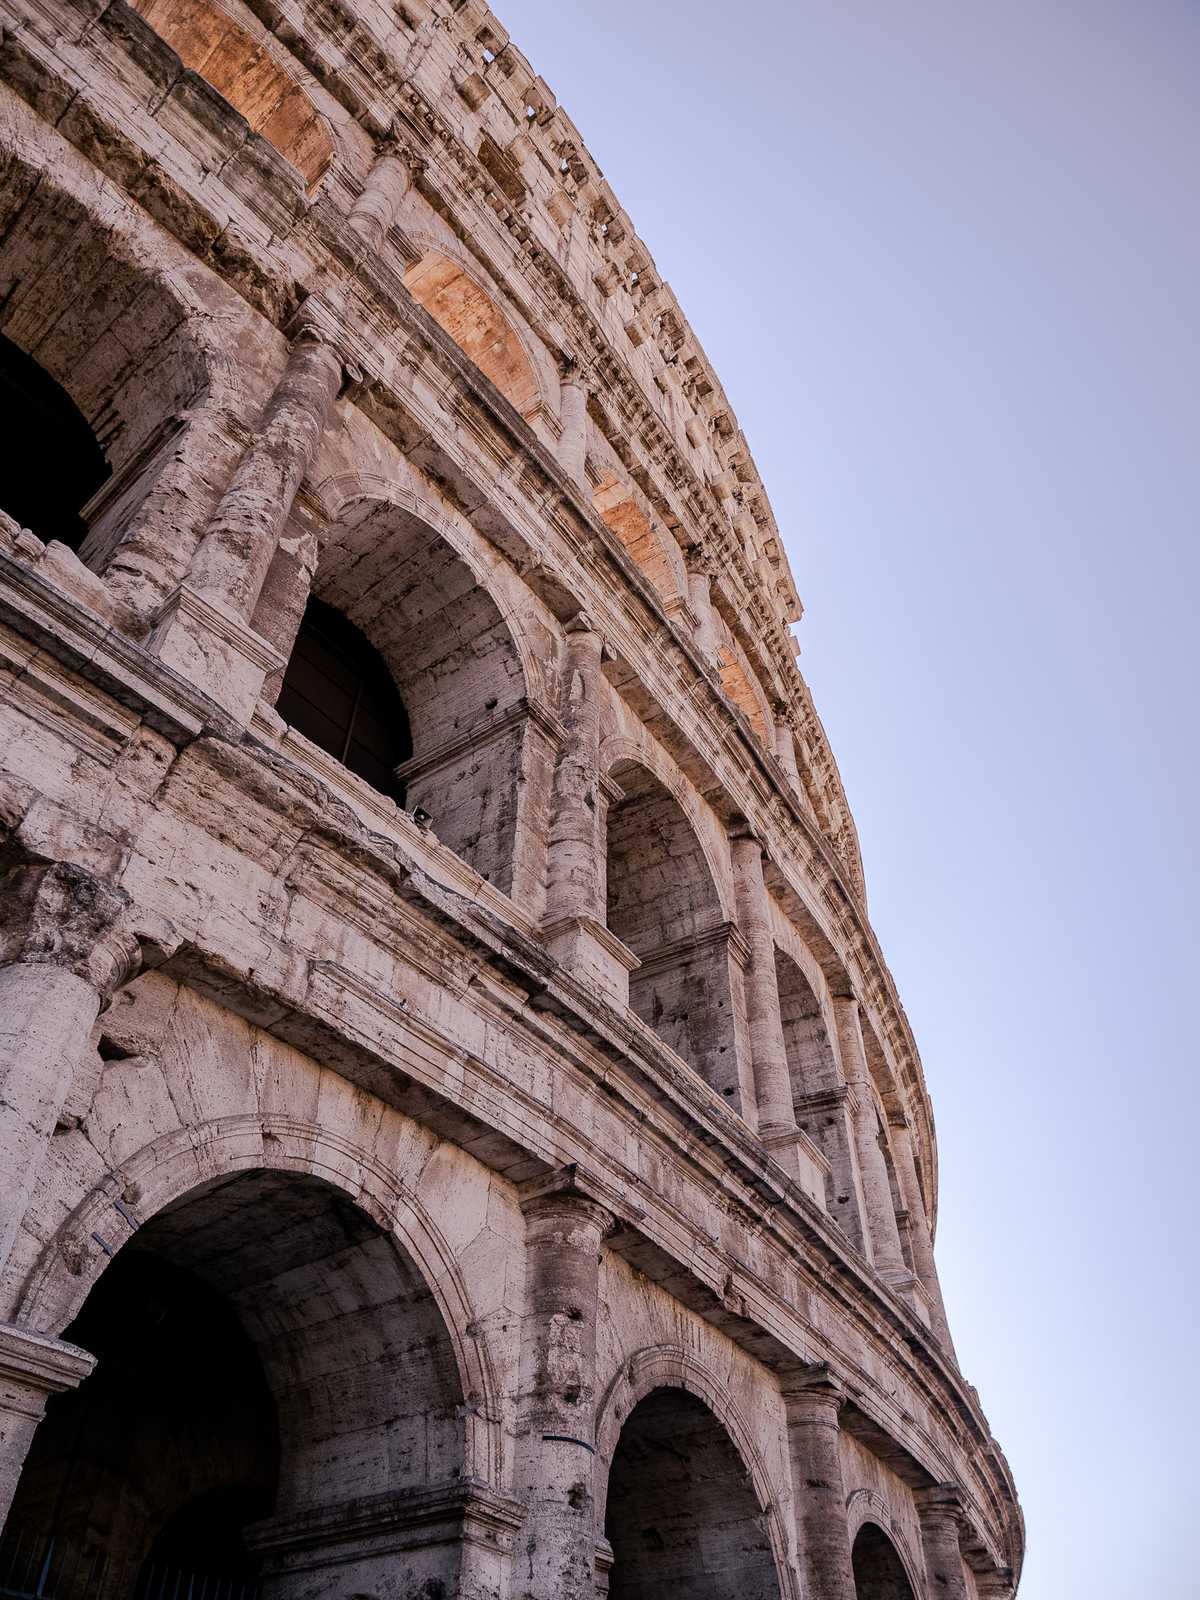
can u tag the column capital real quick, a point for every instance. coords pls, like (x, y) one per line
(697, 558)
(940, 1501)
(39, 1363)
(583, 622)
(568, 1191)
(812, 1387)
(60, 915)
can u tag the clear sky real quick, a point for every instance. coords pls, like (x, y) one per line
(945, 256)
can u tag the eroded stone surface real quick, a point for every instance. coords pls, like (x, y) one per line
(546, 1166)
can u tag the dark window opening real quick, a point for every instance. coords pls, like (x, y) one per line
(338, 692)
(52, 463)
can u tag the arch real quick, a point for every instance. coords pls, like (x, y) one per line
(105, 308)
(54, 463)
(199, 1156)
(416, 591)
(338, 692)
(879, 1571)
(662, 1369)
(476, 324)
(663, 905)
(245, 73)
(621, 512)
(261, 1340)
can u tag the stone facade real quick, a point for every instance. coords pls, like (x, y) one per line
(527, 1189)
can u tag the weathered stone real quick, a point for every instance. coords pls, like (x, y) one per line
(448, 1081)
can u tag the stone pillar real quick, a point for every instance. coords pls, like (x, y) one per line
(785, 748)
(377, 207)
(575, 897)
(940, 1511)
(204, 630)
(876, 1189)
(768, 1052)
(572, 417)
(64, 949)
(564, 1227)
(814, 1399)
(699, 577)
(921, 1242)
(32, 1367)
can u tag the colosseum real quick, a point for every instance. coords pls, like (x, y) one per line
(459, 1136)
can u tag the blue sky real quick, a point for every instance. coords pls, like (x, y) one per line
(946, 256)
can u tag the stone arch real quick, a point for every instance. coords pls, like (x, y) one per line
(882, 1564)
(621, 512)
(469, 314)
(246, 73)
(665, 1368)
(664, 905)
(199, 1156)
(459, 652)
(640, 750)
(109, 309)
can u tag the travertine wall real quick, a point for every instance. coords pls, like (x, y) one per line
(558, 1145)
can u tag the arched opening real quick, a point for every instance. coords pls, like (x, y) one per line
(338, 692)
(270, 1365)
(102, 365)
(476, 324)
(878, 1571)
(243, 71)
(682, 1515)
(819, 1099)
(53, 462)
(447, 679)
(663, 905)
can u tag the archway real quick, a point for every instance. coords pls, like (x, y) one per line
(338, 692)
(878, 1571)
(454, 663)
(271, 1368)
(53, 461)
(476, 324)
(663, 905)
(822, 1110)
(103, 330)
(682, 1515)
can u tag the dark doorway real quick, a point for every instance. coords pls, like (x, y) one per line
(878, 1571)
(267, 1360)
(338, 692)
(682, 1516)
(52, 463)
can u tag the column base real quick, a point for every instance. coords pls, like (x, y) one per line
(795, 1151)
(593, 955)
(210, 645)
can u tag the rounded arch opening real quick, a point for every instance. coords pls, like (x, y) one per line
(878, 1571)
(681, 1513)
(449, 680)
(662, 903)
(105, 359)
(53, 461)
(476, 324)
(338, 692)
(269, 1362)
